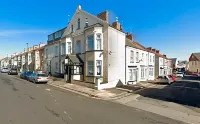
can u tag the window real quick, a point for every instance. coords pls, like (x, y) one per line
(56, 65)
(142, 72)
(69, 47)
(29, 57)
(142, 56)
(78, 23)
(150, 58)
(46, 54)
(78, 46)
(56, 51)
(137, 57)
(63, 48)
(145, 72)
(130, 74)
(86, 22)
(90, 43)
(98, 41)
(50, 37)
(150, 71)
(132, 56)
(90, 68)
(72, 28)
(153, 58)
(146, 58)
(99, 63)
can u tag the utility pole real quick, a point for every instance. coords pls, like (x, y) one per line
(27, 58)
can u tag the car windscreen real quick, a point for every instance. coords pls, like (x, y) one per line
(41, 75)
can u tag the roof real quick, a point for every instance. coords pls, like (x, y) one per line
(197, 55)
(135, 44)
(74, 59)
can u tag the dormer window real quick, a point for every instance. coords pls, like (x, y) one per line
(78, 23)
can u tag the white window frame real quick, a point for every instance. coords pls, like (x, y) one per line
(142, 73)
(99, 41)
(99, 67)
(69, 47)
(131, 56)
(137, 56)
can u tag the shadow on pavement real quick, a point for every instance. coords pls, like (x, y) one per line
(181, 92)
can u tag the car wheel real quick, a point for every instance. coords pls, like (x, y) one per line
(34, 81)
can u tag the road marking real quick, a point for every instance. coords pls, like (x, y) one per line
(65, 112)
(48, 89)
(69, 117)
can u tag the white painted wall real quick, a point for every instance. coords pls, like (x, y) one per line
(136, 65)
(116, 58)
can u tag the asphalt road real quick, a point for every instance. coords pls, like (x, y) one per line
(185, 91)
(22, 102)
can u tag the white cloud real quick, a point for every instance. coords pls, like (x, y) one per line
(6, 33)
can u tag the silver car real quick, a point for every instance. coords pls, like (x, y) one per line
(39, 78)
(164, 79)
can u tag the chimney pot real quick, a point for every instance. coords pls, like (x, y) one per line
(103, 16)
(129, 36)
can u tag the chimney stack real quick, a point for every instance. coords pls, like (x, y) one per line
(129, 36)
(103, 16)
(117, 26)
(164, 55)
(149, 48)
(41, 44)
(158, 51)
(35, 47)
(154, 50)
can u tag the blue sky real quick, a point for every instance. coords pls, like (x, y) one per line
(172, 26)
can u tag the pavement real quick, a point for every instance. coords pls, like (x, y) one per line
(111, 93)
(23, 102)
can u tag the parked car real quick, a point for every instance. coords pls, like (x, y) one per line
(39, 78)
(164, 79)
(5, 70)
(172, 77)
(180, 74)
(28, 74)
(22, 75)
(13, 71)
(195, 73)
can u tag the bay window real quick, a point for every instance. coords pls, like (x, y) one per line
(90, 68)
(99, 65)
(90, 43)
